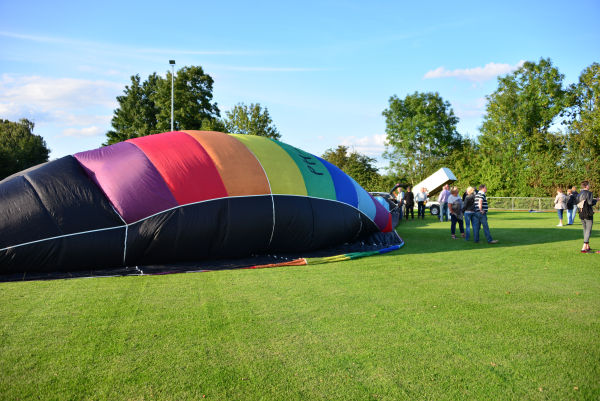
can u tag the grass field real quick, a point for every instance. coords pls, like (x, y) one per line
(440, 319)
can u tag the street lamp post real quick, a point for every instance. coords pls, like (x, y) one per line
(172, 62)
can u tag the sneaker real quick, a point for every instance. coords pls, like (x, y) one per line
(494, 241)
(559, 225)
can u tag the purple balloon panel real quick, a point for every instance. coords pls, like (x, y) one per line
(130, 181)
(381, 215)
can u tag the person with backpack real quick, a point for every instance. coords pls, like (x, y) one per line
(585, 204)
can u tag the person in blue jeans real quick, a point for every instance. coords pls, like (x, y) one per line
(469, 212)
(480, 216)
(443, 199)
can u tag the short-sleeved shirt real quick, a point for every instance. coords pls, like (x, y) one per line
(481, 195)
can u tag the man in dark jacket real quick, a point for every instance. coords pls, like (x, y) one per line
(585, 203)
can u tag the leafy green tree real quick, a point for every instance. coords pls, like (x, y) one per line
(583, 140)
(421, 133)
(465, 164)
(193, 106)
(519, 153)
(356, 165)
(20, 148)
(250, 120)
(145, 107)
(137, 112)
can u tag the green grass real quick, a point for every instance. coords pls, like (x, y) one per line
(440, 319)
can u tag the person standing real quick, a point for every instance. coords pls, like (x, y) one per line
(421, 198)
(456, 213)
(571, 200)
(481, 210)
(585, 204)
(560, 204)
(469, 211)
(409, 203)
(443, 199)
(400, 200)
(575, 194)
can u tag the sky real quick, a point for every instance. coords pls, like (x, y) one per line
(325, 70)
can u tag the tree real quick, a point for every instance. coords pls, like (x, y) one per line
(519, 153)
(250, 120)
(356, 165)
(421, 132)
(137, 112)
(465, 164)
(19, 147)
(145, 107)
(583, 141)
(193, 97)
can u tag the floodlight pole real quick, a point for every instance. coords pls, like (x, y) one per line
(172, 62)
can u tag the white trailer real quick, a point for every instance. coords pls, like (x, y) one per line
(434, 185)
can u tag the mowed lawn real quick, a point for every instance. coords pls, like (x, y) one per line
(440, 319)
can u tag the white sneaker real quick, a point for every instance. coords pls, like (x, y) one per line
(559, 225)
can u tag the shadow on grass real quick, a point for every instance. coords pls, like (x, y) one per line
(431, 236)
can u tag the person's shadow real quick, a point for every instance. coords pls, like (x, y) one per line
(432, 236)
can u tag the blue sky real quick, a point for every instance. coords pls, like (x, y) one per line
(325, 70)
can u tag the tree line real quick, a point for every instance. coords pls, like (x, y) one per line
(537, 133)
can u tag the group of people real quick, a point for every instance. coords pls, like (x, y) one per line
(406, 202)
(471, 209)
(573, 202)
(566, 202)
(467, 211)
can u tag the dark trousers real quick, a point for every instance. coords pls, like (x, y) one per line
(410, 209)
(421, 209)
(454, 220)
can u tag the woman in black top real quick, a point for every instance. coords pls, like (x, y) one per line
(469, 211)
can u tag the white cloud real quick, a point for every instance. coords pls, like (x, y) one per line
(83, 107)
(476, 74)
(372, 146)
(85, 131)
(45, 93)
